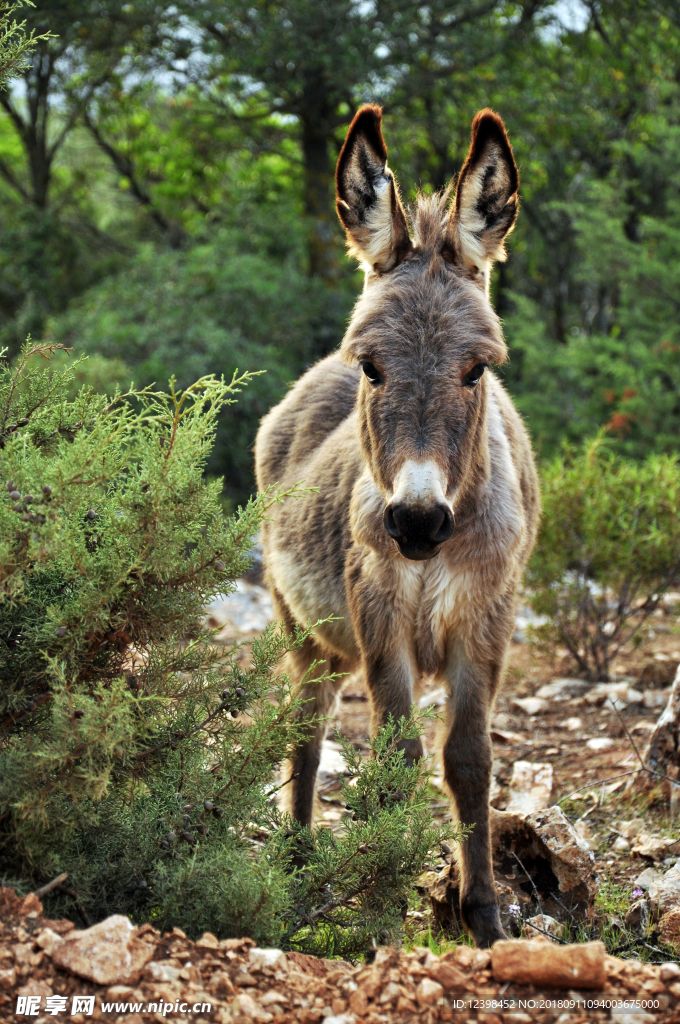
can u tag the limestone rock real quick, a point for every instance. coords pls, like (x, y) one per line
(646, 878)
(531, 705)
(107, 953)
(571, 860)
(669, 928)
(670, 972)
(664, 891)
(428, 992)
(537, 963)
(49, 940)
(655, 847)
(555, 856)
(563, 688)
(246, 1005)
(448, 976)
(546, 924)
(599, 743)
(530, 787)
(258, 959)
(162, 971)
(8, 978)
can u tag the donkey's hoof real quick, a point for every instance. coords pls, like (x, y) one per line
(485, 925)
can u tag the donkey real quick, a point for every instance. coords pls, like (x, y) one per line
(427, 497)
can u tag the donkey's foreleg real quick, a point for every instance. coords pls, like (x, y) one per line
(318, 699)
(390, 677)
(467, 769)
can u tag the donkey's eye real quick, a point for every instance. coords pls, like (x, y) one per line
(373, 376)
(474, 375)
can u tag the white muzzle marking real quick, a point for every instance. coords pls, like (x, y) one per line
(420, 483)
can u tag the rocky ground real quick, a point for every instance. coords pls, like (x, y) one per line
(579, 856)
(113, 972)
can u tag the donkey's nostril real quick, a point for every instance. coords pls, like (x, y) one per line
(413, 526)
(446, 527)
(389, 522)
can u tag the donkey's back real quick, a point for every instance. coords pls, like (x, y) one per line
(292, 433)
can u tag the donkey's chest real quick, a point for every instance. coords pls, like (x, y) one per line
(437, 603)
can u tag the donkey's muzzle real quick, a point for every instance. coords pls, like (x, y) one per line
(418, 530)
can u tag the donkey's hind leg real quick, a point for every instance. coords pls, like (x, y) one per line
(318, 699)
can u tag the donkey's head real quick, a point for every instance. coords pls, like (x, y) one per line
(424, 331)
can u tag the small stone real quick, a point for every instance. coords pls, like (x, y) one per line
(48, 940)
(247, 1006)
(546, 924)
(8, 979)
(208, 941)
(448, 976)
(272, 958)
(35, 988)
(531, 705)
(272, 996)
(161, 971)
(669, 928)
(646, 878)
(620, 845)
(654, 847)
(390, 993)
(428, 992)
(669, 972)
(221, 984)
(526, 962)
(117, 992)
(358, 1002)
(599, 743)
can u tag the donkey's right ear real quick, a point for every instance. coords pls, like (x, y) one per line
(367, 197)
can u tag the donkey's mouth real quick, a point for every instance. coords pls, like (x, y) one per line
(419, 531)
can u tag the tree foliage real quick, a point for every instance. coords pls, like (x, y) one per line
(137, 754)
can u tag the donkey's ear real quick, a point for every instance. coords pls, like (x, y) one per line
(367, 197)
(486, 201)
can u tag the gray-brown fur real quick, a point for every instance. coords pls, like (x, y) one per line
(399, 464)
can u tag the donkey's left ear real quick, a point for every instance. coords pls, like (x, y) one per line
(368, 201)
(487, 202)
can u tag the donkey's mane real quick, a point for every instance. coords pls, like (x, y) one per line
(428, 216)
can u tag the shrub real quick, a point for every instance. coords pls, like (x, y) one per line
(608, 548)
(135, 753)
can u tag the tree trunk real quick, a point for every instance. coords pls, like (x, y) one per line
(317, 133)
(323, 230)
